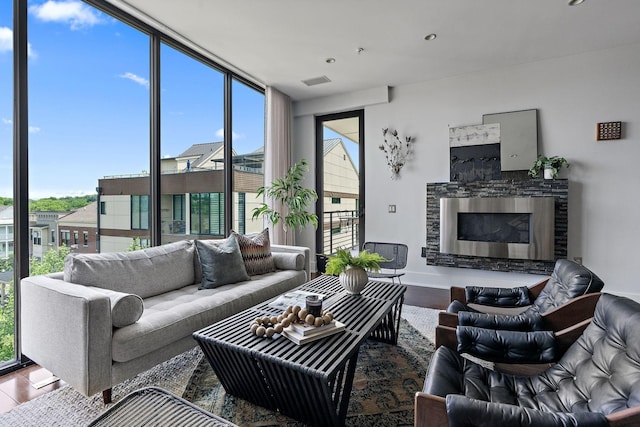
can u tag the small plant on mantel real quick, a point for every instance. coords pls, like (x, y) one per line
(551, 166)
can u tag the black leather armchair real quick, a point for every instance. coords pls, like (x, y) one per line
(556, 310)
(595, 383)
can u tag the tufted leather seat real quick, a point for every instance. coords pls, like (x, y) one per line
(596, 382)
(568, 280)
(562, 301)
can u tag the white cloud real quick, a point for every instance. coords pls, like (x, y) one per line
(135, 78)
(234, 136)
(76, 14)
(6, 42)
(6, 39)
(32, 129)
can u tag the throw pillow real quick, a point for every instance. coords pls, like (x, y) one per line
(221, 262)
(256, 252)
(126, 309)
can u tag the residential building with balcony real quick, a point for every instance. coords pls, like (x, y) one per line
(78, 230)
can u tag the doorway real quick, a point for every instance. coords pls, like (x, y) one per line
(340, 178)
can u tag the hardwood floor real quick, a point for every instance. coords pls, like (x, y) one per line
(20, 386)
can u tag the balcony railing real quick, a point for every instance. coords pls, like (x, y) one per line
(340, 230)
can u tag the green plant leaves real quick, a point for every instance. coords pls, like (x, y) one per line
(289, 191)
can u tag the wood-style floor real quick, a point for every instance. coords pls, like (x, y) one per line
(20, 386)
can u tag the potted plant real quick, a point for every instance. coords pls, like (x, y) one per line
(352, 269)
(290, 200)
(550, 165)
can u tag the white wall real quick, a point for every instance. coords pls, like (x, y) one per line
(571, 94)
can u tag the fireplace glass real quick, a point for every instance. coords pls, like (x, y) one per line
(498, 227)
(494, 227)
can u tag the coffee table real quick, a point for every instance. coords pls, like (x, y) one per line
(311, 382)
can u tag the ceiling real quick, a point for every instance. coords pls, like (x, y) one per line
(283, 42)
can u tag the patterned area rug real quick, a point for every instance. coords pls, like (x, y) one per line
(386, 380)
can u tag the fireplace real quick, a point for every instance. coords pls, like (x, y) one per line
(498, 227)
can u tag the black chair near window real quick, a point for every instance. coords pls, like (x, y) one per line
(395, 252)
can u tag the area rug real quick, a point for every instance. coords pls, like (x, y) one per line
(386, 380)
(66, 407)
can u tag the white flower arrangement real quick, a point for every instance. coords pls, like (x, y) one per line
(395, 150)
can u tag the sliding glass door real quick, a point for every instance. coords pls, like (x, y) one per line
(340, 176)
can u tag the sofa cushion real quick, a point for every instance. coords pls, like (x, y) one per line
(146, 272)
(221, 262)
(256, 252)
(177, 314)
(288, 261)
(126, 309)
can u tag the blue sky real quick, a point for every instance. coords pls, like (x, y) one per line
(89, 100)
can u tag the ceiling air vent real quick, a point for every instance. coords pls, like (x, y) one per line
(316, 81)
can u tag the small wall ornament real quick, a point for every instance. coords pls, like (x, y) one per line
(396, 152)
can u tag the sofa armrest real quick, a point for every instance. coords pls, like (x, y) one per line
(430, 410)
(67, 329)
(572, 312)
(457, 293)
(500, 297)
(446, 336)
(295, 249)
(463, 411)
(521, 322)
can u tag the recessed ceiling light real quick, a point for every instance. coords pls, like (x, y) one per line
(330, 60)
(431, 36)
(575, 2)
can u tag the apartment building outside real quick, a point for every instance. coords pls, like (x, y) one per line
(43, 232)
(192, 203)
(78, 229)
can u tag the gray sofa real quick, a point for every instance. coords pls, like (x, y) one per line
(108, 317)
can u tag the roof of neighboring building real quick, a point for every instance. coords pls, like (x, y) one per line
(87, 214)
(202, 152)
(330, 144)
(6, 212)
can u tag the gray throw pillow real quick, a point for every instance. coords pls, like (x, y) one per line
(221, 262)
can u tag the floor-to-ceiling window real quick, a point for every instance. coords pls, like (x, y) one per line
(7, 324)
(93, 72)
(89, 114)
(248, 154)
(191, 146)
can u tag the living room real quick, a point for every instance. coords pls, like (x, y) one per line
(573, 90)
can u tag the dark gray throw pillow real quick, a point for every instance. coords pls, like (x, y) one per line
(221, 262)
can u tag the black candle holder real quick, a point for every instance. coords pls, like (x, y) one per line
(314, 305)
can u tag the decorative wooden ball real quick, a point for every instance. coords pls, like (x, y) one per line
(268, 326)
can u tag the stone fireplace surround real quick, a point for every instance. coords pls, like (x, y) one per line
(559, 189)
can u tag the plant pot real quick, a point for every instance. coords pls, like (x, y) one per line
(353, 280)
(548, 174)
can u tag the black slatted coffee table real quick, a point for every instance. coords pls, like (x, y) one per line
(311, 382)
